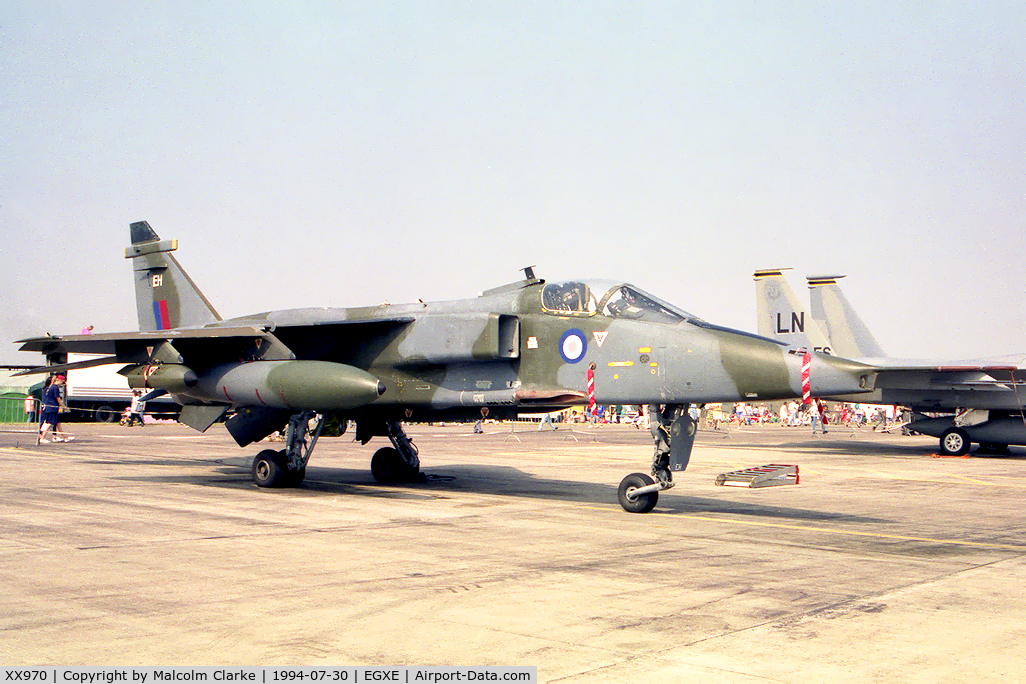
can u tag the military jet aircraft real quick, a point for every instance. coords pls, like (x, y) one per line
(526, 346)
(982, 400)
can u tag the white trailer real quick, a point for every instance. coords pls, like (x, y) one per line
(100, 393)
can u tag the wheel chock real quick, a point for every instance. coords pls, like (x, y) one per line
(772, 475)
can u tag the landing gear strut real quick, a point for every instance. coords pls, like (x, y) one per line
(287, 468)
(673, 431)
(398, 464)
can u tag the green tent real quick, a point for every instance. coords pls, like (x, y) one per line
(13, 392)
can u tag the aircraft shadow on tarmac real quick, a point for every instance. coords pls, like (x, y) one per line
(449, 481)
(170, 462)
(843, 445)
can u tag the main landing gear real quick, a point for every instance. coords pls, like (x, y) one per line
(673, 431)
(398, 464)
(287, 468)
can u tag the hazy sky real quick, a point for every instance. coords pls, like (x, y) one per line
(344, 154)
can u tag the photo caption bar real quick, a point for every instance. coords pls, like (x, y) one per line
(404, 674)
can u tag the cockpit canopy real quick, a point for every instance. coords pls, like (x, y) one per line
(569, 298)
(618, 300)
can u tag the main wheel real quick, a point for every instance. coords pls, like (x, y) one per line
(270, 469)
(955, 442)
(291, 478)
(105, 414)
(631, 502)
(294, 478)
(388, 466)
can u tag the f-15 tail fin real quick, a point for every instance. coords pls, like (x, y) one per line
(165, 296)
(830, 309)
(782, 317)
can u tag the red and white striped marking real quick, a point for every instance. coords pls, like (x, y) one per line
(806, 387)
(591, 390)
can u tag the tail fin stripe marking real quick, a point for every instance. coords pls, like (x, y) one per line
(164, 318)
(160, 315)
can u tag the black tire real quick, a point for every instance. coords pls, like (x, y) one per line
(388, 466)
(105, 413)
(270, 469)
(955, 442)
(292, 478)
(636, 504)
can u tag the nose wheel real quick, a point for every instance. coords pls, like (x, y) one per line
(636, 493)
(673, 431)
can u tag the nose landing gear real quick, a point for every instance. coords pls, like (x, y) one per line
(673, 431)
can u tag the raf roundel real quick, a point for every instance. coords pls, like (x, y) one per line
(573, 345)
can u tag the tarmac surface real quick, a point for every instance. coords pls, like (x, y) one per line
(151, 546)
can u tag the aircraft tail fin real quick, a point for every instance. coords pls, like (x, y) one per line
(782, 316)
(165, 295)
(831, 310)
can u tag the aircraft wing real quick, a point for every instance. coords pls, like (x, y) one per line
(230, 342)
(1003, 368)
(64, 367)
(112, 343)
(985, 384)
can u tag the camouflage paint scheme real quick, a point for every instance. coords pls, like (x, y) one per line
(503, 349)
(525, 346)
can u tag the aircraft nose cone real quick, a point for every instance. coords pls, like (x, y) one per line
(381, 388)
